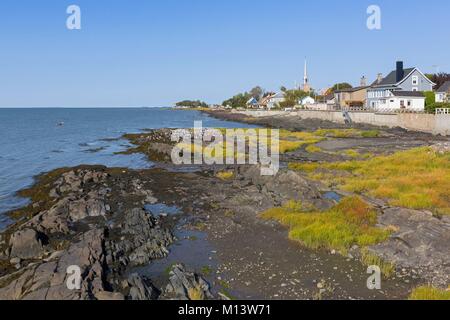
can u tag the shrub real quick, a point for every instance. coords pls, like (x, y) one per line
(438, 105)
(430, 98)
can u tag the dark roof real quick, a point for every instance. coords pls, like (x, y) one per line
(329, 96)
(408, 93)
(352, 89)
(445, 87)
(391, 78)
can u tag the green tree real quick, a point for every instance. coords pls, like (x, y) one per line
(238, 101)
(257, 92)
(292, 98)
(192, 104)
(439, 78)
(339, 86)
(430, 98)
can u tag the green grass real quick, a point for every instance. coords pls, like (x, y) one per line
(370, 259)
(347, 133)
(196, 294)
(313, 149)
(429, 293)
(418, 178)
(370, 134)
(351, 153)
(225, 175)
(206, 270)
(351, 222)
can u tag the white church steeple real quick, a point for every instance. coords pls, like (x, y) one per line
(306, 86)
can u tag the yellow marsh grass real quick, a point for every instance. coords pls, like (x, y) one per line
(196, 294)
(288, 141)
(351, 222)
(225, 175)
(347, 133)
(429, 293)
(313, 149)
(418, 178)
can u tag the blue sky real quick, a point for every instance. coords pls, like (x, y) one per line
(154, 53)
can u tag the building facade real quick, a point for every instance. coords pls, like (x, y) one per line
(382, 91)
(443, 93)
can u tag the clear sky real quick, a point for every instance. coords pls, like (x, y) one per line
(156, 52)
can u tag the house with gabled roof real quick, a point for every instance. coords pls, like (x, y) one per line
(252, 103)
(443, 93)
(394, 91)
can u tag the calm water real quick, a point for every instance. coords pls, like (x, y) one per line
(32, 142)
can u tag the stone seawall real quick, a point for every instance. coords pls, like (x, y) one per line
(435, 124)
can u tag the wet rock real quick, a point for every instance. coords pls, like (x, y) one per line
(54, 220)
(187, 285)
(109, 296)
(441, 148)
(144, 239)
(26, 244)
(140, 288)
(421, 241)
(81, 209)
(48, 280)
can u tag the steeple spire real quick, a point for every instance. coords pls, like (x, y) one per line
(306, 86)
(305, 77)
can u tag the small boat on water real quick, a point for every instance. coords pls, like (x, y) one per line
(60, 124)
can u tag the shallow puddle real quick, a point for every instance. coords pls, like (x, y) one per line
(332, 196)
(162, 210)
(192, 249)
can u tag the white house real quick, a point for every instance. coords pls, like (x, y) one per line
(273, 101)
(443, 93)
(252, 103)
(402, 100)
(398, 81)
(307, 101)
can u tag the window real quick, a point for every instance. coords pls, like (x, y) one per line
(402, 104)
(415, 80)
(415, 89)
(409, 103)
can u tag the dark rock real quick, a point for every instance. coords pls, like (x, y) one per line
(140, 289)
(187, 285)
(26, 244)
(420, 241)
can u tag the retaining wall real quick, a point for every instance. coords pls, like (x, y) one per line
(436, 124)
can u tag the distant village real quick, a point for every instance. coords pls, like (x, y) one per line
(401, 90)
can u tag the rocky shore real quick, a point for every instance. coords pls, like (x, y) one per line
(98, 219)
(92, 218)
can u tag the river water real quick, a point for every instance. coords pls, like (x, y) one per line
(37, 140)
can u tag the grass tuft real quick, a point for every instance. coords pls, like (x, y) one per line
(225, 175)
(196, 294)
(313, 149)
(370, 259)
(429, 293)
(351, 222)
